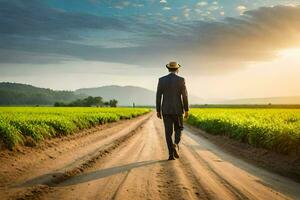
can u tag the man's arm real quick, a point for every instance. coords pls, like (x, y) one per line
(158, 99)
(185, 99)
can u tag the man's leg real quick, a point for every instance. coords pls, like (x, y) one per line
(178, 126)
(168, 122)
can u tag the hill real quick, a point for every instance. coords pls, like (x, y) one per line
(126, 95)
(22, 94)
(271, 100)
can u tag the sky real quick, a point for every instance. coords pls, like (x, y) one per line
(227, 48)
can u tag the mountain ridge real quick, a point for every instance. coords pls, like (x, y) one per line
(265, 100)
(22, 94)
(126, 95)
(25, 94)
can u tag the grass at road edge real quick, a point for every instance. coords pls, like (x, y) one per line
(274, 129)
(29, 125)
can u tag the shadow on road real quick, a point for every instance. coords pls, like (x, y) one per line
(85, 177)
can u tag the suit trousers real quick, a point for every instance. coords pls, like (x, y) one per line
(173, 123)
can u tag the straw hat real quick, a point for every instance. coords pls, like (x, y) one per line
(173, 65)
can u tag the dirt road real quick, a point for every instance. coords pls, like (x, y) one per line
(127, 160)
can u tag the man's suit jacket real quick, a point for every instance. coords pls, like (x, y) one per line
(171, 95)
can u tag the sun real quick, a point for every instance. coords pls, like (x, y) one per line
(290, 53)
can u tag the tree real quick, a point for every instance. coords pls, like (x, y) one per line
(113, 103)
(98, 101)
(87, 102)
(21, 94)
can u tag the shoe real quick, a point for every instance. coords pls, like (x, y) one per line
(171, 158)
(176, 155)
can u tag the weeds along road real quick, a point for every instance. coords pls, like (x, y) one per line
(127, 160)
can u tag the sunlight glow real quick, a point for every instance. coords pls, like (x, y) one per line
(293, 52)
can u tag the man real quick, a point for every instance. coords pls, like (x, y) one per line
(171, 103)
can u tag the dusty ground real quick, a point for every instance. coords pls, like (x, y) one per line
(286, 165)
(127, 160)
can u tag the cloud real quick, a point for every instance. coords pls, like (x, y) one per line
(163, 1)
(186, 12)
(166, 8)
(213, 8)
(138, 5)
(202, 3)
(119, 7)
(241, 9)
(52, 35)
(123, 4)
(216, 47)
(33, 18)
(174, 18)
(256, 36)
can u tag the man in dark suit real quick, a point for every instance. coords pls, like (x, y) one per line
(171, 103)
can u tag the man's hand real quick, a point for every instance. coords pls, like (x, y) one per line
(158, 114)
(186, 114)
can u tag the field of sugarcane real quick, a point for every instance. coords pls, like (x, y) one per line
(20, 124)
(274, 129)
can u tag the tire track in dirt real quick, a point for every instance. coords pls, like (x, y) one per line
(196, 183)
(120, 164)
(235, 191)
(239, 182)
(125, 177)
(177, 180)
(150, 177)
(36, 186)
(58, 152)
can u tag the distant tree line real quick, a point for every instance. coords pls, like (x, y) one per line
(22, 94)
(245, 105)
(88, 102)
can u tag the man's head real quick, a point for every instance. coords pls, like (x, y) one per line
(173, 70)
(173, 66)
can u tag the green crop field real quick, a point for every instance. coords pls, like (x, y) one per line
(275, 129)
(20, 124)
